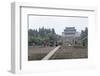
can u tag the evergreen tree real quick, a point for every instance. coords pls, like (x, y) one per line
(41, 36)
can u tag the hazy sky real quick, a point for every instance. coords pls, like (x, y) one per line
(58, 23)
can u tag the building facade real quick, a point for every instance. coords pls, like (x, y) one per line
(70, 36)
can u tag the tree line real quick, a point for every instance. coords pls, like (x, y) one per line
(43, 36)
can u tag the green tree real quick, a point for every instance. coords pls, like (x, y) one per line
(84, 37)
(84, 33)
(41, 36)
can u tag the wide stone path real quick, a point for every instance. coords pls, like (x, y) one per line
(51, 53)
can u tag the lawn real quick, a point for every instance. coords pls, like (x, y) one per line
(37, 53)
(70, 53)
